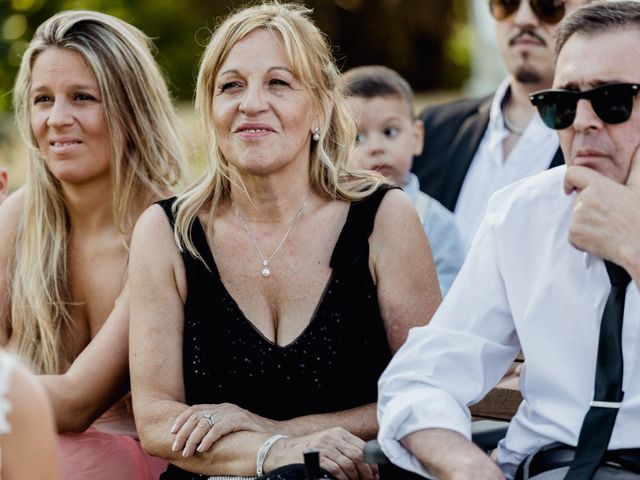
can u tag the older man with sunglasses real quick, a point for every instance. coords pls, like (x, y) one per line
(554, 271)
(474, 147)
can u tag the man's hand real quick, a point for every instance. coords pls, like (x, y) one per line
(606, 215)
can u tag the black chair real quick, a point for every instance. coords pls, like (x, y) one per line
(484, 433)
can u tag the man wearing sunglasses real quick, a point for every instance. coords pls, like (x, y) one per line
(474, 147)
(554, 271)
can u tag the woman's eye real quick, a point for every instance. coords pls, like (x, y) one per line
(228, 85)
(41, 98)
(391, 131)
(278, 81)
(360, 138)
(84, 97)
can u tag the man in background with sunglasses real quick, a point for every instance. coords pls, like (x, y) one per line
(474, 147)
(554, 271)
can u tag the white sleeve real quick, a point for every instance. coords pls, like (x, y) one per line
(452, 362)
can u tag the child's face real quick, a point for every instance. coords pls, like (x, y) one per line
(388, 137)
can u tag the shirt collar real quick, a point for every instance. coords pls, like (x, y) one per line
(535, 130)
(412, 187)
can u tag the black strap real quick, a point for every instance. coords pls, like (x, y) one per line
(353, 243)
(601, 416)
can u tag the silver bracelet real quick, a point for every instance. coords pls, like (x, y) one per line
(264, 449)
(230, 477)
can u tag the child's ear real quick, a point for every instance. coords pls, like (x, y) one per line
(418, 135)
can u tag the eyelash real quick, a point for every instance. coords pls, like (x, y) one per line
(275, 82)
(82, 97)
(85, 97)
(41, 98)
(228, 85)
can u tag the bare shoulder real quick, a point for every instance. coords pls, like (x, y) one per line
(10, 213)
(154, 252)
(33, 429)
(152, 226)
(26, 395)
(396, 213)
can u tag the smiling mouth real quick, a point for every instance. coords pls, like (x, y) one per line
(64, 144)
(253, 130)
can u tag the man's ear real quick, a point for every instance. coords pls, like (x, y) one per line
(418, 135)
(4, 184)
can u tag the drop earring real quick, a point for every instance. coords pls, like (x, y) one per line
(316, 134)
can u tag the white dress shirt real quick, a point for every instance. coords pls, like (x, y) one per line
(490, 171)
(522, 286)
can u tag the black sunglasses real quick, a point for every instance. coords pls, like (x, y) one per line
(612, 103)
(549, 11)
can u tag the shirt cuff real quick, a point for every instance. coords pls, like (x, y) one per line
(411, 412)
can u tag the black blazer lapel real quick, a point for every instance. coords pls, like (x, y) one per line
(463, 148)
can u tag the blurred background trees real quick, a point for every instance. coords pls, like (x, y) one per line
(428, 41)
(425, 40)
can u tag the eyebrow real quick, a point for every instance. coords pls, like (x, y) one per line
(235, 71)
(76, 86)
(593, 84)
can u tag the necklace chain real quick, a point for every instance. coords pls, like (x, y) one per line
(266, 271)
(510, 126)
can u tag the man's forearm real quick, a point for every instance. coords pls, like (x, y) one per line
(448, 455)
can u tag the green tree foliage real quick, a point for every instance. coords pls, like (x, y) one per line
(419, 38)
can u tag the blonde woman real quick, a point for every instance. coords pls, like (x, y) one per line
(26, 425)
(94, 110)
(261, 322)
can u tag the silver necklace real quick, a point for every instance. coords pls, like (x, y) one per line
(510, 126)
(266, 271)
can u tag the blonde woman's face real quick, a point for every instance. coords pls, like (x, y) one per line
(263, 115)
(68, 118)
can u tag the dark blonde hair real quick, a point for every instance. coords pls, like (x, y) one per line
(148, 161)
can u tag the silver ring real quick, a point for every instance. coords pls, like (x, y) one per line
(209, 418)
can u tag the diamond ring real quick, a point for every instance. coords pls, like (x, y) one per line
(209, 418)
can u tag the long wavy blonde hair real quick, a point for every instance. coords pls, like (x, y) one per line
(310, 56)
(148, 161)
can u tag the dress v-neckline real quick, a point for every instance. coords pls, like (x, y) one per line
(203, 247)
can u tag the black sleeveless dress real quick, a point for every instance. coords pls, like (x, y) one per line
(333, 365)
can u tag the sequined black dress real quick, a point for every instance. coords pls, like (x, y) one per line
(333, 365)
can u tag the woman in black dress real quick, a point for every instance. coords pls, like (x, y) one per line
(267, 299)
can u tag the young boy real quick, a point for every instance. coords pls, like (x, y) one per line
(388, 137)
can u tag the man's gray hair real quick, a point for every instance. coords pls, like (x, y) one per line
(598, 17)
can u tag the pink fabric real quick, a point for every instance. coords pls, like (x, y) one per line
(96, 455)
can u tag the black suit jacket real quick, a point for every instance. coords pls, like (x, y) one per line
(453, 132)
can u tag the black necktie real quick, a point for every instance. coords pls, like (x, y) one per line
(601, 416)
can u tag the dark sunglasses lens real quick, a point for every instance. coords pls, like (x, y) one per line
(549, 11)
(557, 109)
(613, 104)
(501, 9)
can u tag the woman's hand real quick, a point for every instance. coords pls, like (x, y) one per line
(200, 426)
(340, 454)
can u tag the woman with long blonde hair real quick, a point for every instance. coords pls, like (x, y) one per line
(268, 298)
(96, 115)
